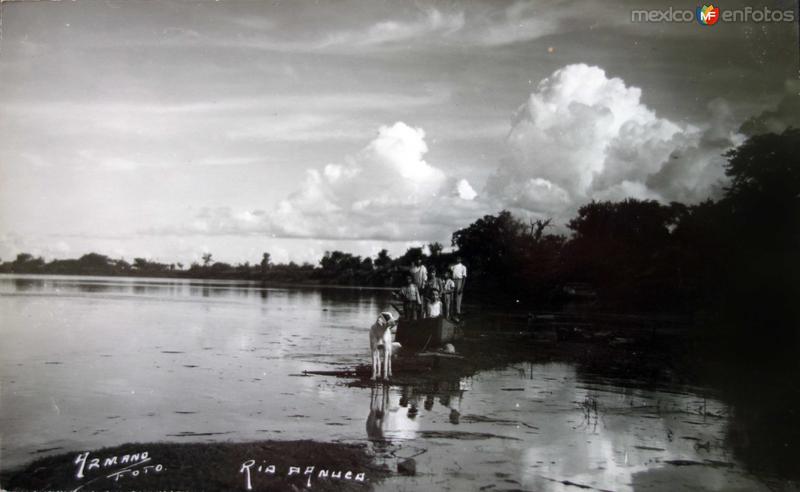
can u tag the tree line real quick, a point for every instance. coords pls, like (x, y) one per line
(334, 268)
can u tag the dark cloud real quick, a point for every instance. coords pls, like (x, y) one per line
(786, 115)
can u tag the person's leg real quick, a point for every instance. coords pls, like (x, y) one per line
(458, 293)
(449, 305)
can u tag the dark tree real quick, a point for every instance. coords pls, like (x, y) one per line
(411, 256)
(435, 248)
(626, 249)
(506, 258)
(490, 243)
(759, 220)
(383, 260)
(265, 264)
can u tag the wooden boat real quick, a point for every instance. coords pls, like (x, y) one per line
(426, 333)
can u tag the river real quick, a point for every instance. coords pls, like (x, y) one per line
(88, 362)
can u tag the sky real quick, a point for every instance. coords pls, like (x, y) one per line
(168, 129)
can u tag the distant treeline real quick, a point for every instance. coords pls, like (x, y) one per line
(742, 250)
(335, 268)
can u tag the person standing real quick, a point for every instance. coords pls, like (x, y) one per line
(459, 272)
(448, 287)
(411, 299)
(434, 284)
(420, 275)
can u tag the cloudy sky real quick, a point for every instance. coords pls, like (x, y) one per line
(166, 129)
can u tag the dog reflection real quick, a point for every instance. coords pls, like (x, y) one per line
(376, 421)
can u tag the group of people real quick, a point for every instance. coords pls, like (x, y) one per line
(427, 295)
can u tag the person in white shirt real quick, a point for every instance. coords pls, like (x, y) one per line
(459, 272)
(435, 306)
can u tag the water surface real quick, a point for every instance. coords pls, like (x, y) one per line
(88, 362)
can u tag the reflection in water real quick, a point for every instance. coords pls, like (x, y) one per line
(402, 405)
(263, 291)
(764, 417)
(379, 400)
(27, 284)
(540, 426)
(328, 298)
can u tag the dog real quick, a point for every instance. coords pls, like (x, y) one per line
(380, 337)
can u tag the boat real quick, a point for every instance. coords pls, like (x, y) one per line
(426, 333)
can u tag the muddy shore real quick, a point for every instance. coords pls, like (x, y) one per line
(263, 465)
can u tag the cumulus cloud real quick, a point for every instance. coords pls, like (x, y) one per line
(583, 135)
(385, 191)
(580, 136)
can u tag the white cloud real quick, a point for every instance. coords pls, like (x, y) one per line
(268, 118)
(476, 25)
(332, 101)
(465, 190)
(520, 22)
(580, 136)
(583, 135)
(11, 244)
(432, 22)
(385, 191)
(93, 158)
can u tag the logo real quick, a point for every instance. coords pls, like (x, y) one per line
(707, 15)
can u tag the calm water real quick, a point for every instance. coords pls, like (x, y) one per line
(89, 362)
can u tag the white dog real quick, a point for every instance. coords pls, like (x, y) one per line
(380, 336)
